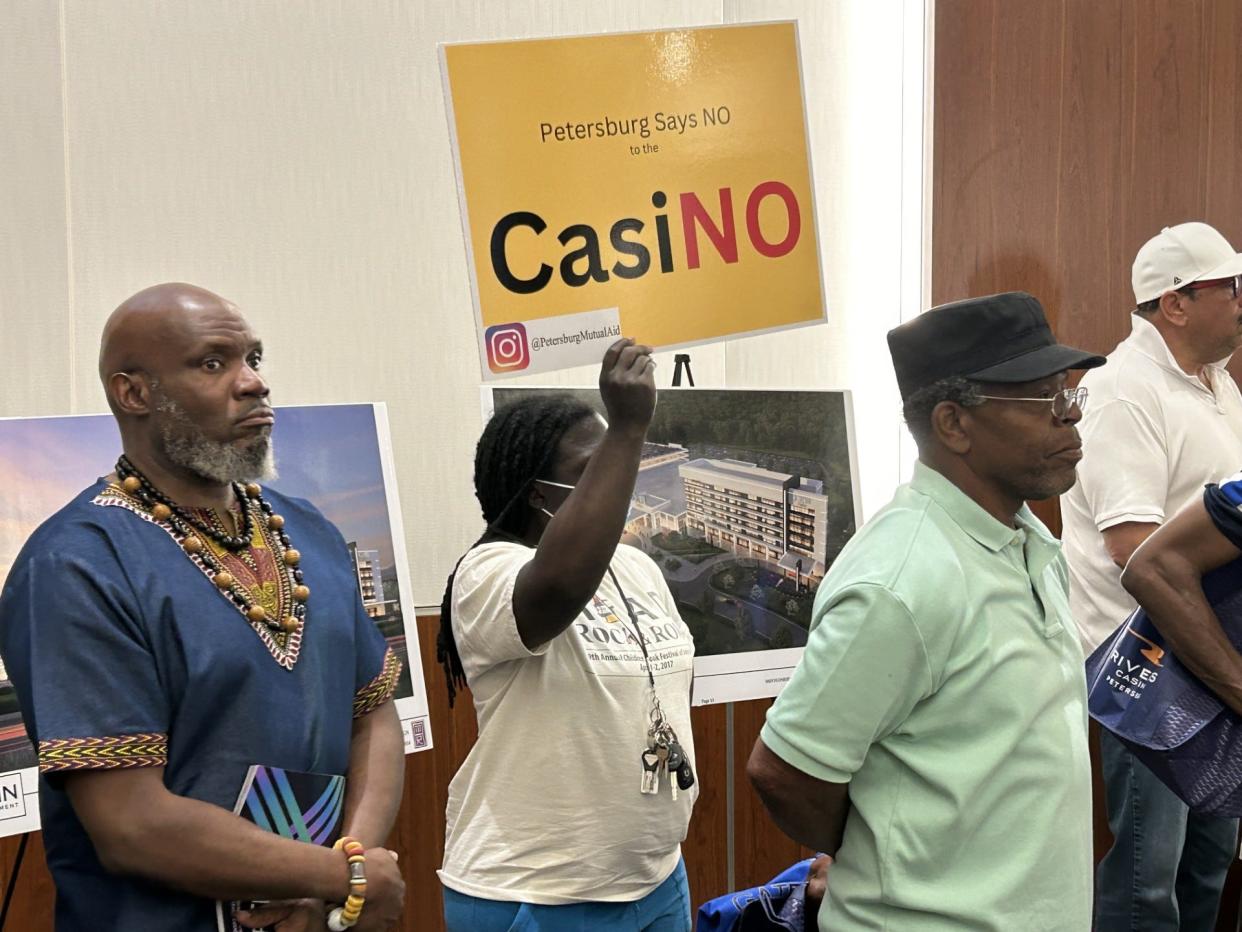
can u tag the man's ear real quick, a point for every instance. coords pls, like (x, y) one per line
(949, 423)
(1173, 308)
(130, 392)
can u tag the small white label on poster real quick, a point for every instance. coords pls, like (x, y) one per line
(12, 799)
(417, 735)
(524, 347)
(19, 801)
(734, 678)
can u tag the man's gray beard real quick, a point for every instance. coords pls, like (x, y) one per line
(187, 447)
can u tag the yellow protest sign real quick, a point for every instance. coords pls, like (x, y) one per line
(655, 184)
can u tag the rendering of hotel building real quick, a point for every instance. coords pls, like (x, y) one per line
(760, 513)
(370, 584)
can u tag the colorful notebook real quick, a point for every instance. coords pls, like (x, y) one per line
(302, 806)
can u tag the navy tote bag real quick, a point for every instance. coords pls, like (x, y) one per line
(1176, 726)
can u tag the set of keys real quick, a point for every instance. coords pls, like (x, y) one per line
(665, 756)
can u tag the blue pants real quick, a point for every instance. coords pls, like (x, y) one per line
(1167, 865)
(664, 909)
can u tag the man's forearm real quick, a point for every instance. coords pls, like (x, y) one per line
(140, 829)
(215, 854)
(810, 811)
(1122, 540)
(818, 827)
(1171, 593)
(376, 776)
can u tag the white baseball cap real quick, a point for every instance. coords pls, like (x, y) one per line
(1188, 252)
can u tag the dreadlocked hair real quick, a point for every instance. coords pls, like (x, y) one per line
(517, 447)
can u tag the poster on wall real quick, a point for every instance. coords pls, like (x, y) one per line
(743, 499)
(337, 456)
(655, 185)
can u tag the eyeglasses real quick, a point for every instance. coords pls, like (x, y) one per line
(1233, 284)
(1062, 403)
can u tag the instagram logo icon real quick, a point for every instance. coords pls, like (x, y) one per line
(507, 349)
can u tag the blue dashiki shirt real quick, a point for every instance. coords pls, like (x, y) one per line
(125, 654)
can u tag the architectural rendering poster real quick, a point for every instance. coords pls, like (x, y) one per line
(337, 456)
(655, 184)
(744, 499)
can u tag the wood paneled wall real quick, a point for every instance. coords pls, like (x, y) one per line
(1067, 133)
(760, 850)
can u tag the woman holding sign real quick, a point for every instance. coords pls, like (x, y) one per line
(570, 810)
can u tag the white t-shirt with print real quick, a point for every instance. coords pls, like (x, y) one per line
(546, 808)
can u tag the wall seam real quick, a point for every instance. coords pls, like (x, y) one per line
(1206, 66)
(1060, 187)
(724, 383)
(70, 281)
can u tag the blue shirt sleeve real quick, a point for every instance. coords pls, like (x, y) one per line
(377, 666)
(76, 647)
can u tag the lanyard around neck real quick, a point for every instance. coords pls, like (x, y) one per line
(638, 631)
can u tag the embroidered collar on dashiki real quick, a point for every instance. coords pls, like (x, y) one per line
(257, 569)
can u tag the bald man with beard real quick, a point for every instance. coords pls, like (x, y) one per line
(177, 623)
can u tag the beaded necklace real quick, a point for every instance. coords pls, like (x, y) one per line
(186, 526)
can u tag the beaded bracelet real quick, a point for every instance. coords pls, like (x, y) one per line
(342, 917)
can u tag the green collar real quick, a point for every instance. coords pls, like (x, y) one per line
(971, 517)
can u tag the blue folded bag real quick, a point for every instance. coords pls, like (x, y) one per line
(1173, 723)
(778, 905)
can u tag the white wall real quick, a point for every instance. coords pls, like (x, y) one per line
(294, 157)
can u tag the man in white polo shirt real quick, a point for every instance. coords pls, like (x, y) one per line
(1165, 419)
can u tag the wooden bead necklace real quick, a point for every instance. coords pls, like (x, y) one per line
(184, 524)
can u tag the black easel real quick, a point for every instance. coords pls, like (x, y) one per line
(8, 893)
(680, 360)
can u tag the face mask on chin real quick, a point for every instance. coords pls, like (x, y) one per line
(558, 485)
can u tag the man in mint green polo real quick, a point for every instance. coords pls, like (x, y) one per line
(933, 738)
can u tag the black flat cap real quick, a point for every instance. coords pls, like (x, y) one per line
(998, 338)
